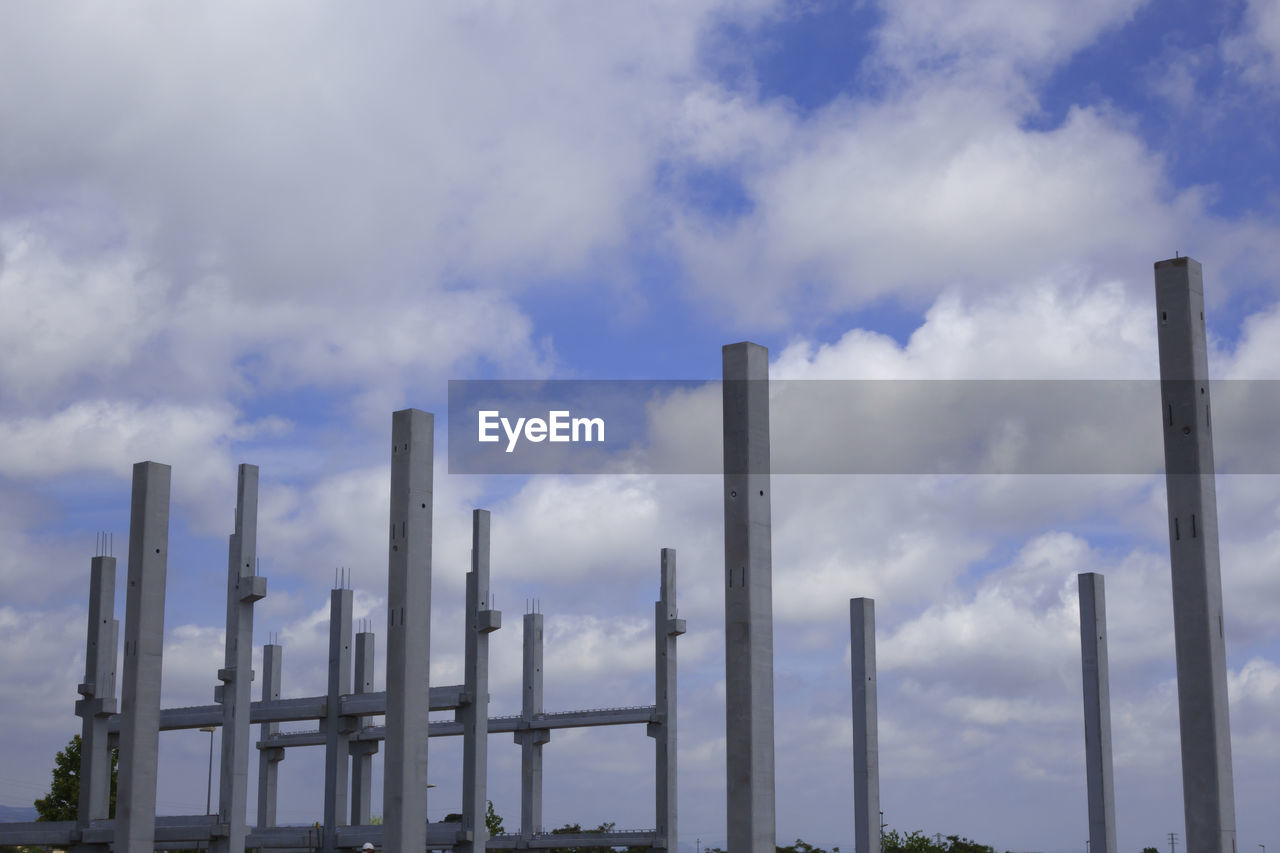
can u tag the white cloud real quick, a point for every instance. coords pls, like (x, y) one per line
(1255, 49)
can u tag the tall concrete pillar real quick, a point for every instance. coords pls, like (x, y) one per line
(244, 587)
(1199, 633)
(531, 740)
(269, 759)
(667, 627)
(135, 826)
(866, 739)
(99, 694)
(404, 790)
(337, 729)
(1097, 713)
(748, 601)
(481, 621)
(362, 752)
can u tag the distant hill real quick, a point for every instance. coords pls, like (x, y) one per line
(18, 814)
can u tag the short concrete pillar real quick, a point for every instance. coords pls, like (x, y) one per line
(337, 729)
(1198, 631)
(404, 789)
(269, 758)
(362, 751)
(866, 745)
(748, 601)
(531, 740)
(1097, 713)
(244, 587)
(481, 621)
(667, 627)
(99, 694)
(135, 826)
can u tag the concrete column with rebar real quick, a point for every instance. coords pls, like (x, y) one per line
(143, 657)
(1199, 633)
(244, 587)
(98, 692)
(362, 751)
(408, 681)
(866, 742)
(748, 611)
(531, 740)
(269, 759)
(482, 620)
(337, 728)
(667, 627)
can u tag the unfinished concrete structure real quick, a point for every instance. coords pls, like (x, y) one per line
(748, 601)
(1097, 713)
(344, 715)
(866, 747)
(1199, 633)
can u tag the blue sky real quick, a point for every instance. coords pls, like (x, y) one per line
(251, 233)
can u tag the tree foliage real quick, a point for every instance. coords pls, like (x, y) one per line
(492, 821)
(63, 800)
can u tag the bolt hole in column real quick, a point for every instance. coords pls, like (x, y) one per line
(733, 494)
(1186, 430)
(762, 493)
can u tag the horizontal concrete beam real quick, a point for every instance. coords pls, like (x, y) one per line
(547, 840)
(293, 710)
(448, 728)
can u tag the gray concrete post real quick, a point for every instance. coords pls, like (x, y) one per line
(408, 633)
(269, 759)
(244, 587)
(531, 740)
(362, 752)
(481, 621)
(135, 825)
(866, 743)
(1097, 713)
(748, 614)
(98, 691)
(337, 729)
(666, 628)
(1199, 633)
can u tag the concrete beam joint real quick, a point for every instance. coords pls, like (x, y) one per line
(252, 588)
(488, 621)
(675, 627)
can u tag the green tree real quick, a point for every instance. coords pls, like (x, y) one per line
(492, 821)
(63, 800)
(1150, 850)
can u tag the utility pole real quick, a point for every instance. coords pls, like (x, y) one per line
(1173, 842)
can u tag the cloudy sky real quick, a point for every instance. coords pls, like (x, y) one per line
(250, 232)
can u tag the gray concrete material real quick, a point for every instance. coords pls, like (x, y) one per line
(269, 759)
(1199, 632)
(243, 589)
(337, 728)
(474, 716)
(98, 692)
(529, 738)
(866, 742)
(362, 752)
(748, 601)
(667, 627)
(143, 656)
(1097, 713)
(404, 789)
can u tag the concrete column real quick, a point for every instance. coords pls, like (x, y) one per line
(481, 621)
(1199, 633)
(1097, 713)
(404, 790)
(866, 743)
(269, 759)
(99, 694)
(531, 740)
(666, 628)
(135, 826)
(362, 752)
(748, 601)
(337, 729)
(244, 588)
